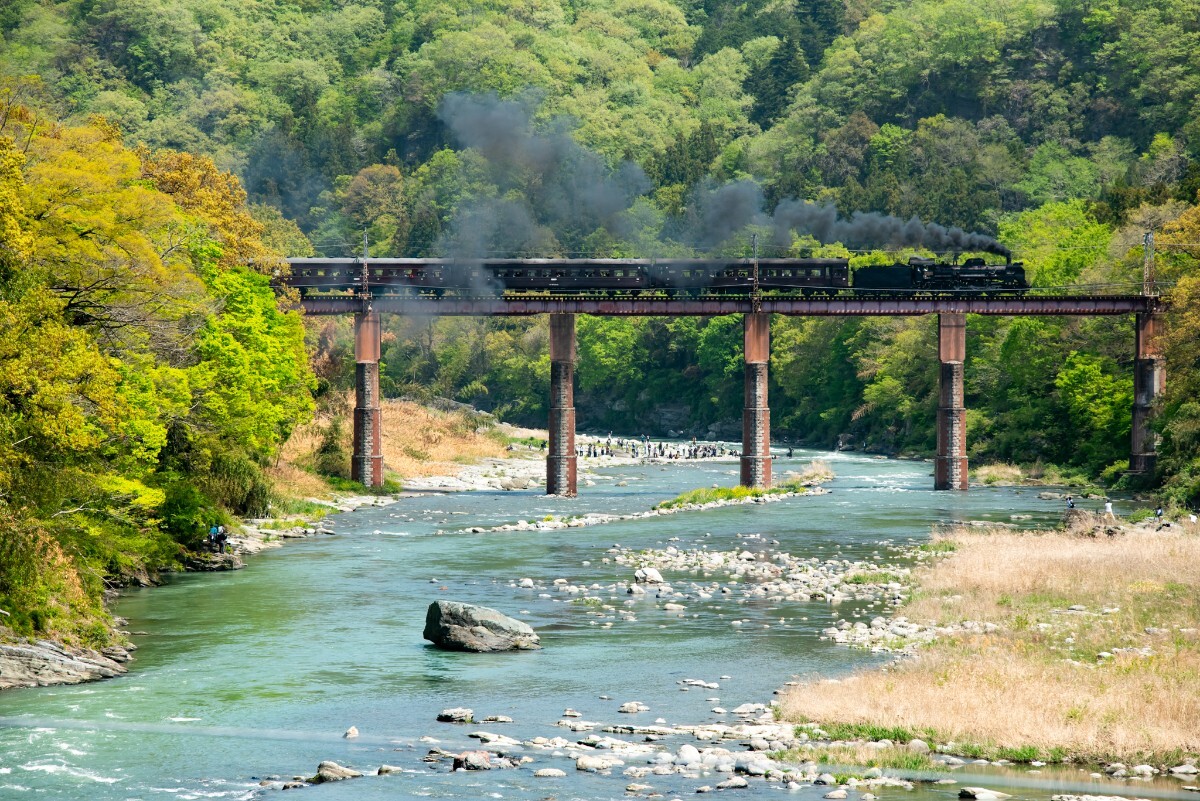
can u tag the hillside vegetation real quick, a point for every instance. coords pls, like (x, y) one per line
(146, 373)
(149, 376)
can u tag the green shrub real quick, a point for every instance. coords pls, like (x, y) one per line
(237, 483)
(42, 589)
(1112, 475)
(331, 457)
(1138, 515)
(187, 514)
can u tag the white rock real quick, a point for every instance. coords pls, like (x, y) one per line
(648, 575)
(351, 733)
(836, 794)
(595, 764)
(981, 793)
(549, 773)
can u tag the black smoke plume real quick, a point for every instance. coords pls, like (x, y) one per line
(871, 229)
(553, 191)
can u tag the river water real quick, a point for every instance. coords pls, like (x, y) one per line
(256, 674)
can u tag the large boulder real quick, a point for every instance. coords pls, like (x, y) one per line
(329, 771)
(465, 627)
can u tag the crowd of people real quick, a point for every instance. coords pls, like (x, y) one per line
(645, 449)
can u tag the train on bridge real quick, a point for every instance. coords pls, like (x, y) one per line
(647, 277)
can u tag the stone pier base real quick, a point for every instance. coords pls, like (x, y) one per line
(950, 464)
(561, 460)
(756, 414)
(366, 461)
(1149, 381)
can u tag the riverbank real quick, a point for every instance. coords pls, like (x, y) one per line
(1080, 644)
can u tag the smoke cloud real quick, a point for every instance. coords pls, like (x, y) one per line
(553, 193)
(551, 188)
(871, 229)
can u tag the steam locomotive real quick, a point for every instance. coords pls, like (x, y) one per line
(657, 277)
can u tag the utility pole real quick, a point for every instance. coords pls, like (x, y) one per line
(755, 292)
(1148, 263)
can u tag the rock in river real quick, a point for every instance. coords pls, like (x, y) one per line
(473, 760)
(333, 772)
(43, 662)
(457, 626)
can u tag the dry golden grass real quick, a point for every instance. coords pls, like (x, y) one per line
(818, 471)
(417, 441)
(1039, 680)
(295, 482)
(998, 474)
(993, 574)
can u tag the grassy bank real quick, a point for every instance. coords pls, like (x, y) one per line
(1002, 474)
(1096, 656)
(816, 473)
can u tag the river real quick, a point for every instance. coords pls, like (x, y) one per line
(255, 674)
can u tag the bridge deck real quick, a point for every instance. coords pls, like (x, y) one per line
(841, 305)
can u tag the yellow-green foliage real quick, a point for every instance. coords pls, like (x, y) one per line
(42, 588)
(146, 371)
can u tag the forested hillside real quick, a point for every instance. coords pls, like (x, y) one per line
(1064, 128)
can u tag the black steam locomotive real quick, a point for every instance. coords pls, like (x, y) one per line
(647, 277)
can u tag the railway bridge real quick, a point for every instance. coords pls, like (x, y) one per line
(337, 286)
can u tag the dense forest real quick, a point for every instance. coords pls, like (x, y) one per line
(150, 150)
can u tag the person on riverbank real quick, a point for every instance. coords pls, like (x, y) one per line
(1070, 502)
(221, 539)
(212, 538)
(1108, 511)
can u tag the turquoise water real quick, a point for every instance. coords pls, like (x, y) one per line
(257, 673)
